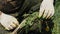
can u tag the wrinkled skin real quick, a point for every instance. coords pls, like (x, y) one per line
(10, 22)
(46, 9)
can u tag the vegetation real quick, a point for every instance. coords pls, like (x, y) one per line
(38, 25)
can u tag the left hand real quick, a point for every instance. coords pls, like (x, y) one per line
(8, 21)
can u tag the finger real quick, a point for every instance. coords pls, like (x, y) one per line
(12, 24)
(52, 11)
(7, 28)
(10, 27)
(49, 13)
(45, 13)
(16, 23)
(41, 11)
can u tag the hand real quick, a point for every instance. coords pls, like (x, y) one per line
(8, 21)
(46, 9)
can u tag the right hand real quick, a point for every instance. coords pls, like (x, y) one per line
(46, 9)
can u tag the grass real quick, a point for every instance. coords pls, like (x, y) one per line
(56, 29)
